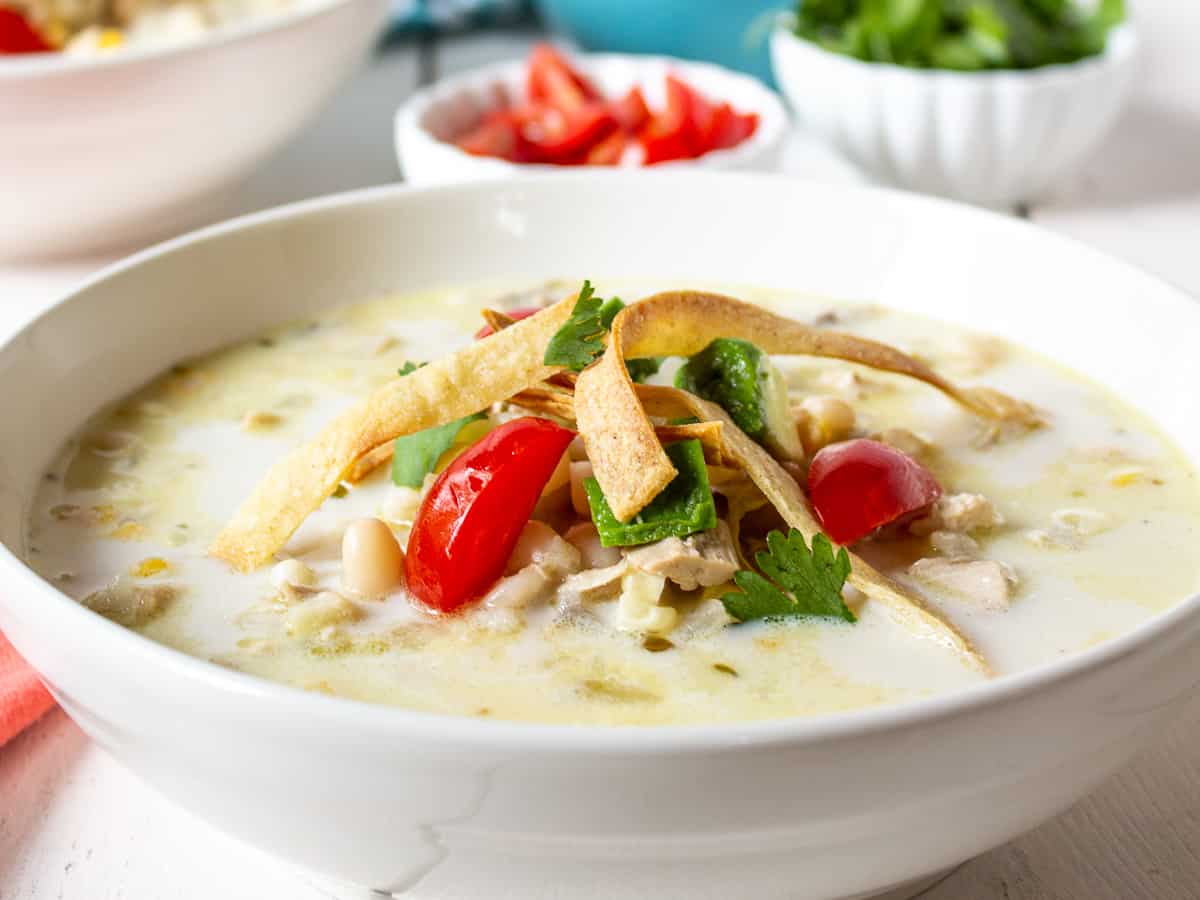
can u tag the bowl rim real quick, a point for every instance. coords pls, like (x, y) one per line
(773, 115)
(27, 590)
(1121, 48)
(32, 65)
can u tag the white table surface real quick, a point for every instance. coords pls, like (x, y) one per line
(75, 826)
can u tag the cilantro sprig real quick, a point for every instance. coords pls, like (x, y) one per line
(580, 340)
(803, 582)
(416, 455)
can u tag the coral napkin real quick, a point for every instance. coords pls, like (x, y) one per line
(23, 699)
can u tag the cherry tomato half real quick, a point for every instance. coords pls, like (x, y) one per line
(858, 486)
(18, 36)
(523, 312)
(665, 136)
(471, 518)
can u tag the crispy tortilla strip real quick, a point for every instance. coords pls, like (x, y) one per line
(785, 495)
(367, 464)
(496, 320)
(483, 373)
(629, 463)
(559, 403)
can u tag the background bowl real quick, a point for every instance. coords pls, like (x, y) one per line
(995, 138)
(809, 809)
(101, 152)
(718, 31)
(432, 118)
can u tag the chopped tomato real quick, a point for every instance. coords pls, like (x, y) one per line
(701, 121)
(17, 35)
(496, 136)
(559, 137)
(523, 312)
(665, 137)
(631, 111)
(470, 520)
(731, 128)
(858, 486)
(609, 151)
(552, 81)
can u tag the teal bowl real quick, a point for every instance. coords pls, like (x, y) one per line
(731, 33)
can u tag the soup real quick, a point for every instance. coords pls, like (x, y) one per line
(591, 545)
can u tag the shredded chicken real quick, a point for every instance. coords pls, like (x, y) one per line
(961, 513)
(517, 591)
(593, 585)
(954, 545)
(701, 560)
(985, 582)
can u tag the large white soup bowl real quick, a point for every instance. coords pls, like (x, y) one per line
(840, 806)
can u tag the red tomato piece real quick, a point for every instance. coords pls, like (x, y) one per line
(665, 137)
(471, 518)
(497, 136)
(564, 138)
(523, 312)
(858, 486)
(609, 151)
(701, 122)
(732, 128)
(552, 80)
(631, 111)
(17, 35)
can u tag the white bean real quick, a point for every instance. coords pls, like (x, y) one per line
(372, 561)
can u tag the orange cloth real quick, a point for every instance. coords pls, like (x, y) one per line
(23, 698)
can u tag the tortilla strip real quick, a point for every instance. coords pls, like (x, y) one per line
(496, 320)
(708, 433)
(631, 466)
(785, 495)
(483, 373)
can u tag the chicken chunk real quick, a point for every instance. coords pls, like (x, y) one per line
(985, 582)
(700, 560)
(593, 585)
(519, 590)
(961, 513)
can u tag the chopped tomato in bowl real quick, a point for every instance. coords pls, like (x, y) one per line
(591, 110)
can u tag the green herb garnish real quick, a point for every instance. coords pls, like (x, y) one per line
(966, 35)
(684, 507)
(803, 583)
(580, 340)
(416, 455)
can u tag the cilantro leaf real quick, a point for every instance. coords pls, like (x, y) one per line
(609, 311)
(409, 367)
(416, 455)
(806, 583)
(961, 34)
(581, 338)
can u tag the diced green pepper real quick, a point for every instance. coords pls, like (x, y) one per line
(742, 380)
(684, 507)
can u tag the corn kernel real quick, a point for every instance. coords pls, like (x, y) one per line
(149, 567)
(109, 38)
(1126, 476)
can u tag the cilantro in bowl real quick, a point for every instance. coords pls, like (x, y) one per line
(965, 35)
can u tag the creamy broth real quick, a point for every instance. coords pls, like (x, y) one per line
(1100, 514)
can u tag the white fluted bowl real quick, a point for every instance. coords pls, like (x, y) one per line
(995, 138)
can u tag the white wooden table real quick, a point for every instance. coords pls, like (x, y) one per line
(75, 826)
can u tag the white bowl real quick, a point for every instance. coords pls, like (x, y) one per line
(995, 138)
(432, 118)
(101, 152)
(808, 809)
